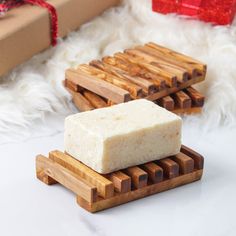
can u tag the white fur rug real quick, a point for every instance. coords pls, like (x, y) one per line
(33, 101)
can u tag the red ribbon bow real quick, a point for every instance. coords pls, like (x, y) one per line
(6, 5)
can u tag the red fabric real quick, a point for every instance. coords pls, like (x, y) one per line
(221, 12)
(9, 4)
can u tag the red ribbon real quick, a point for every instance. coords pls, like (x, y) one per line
(6, 5)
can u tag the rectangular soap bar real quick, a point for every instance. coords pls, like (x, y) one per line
(124, 135)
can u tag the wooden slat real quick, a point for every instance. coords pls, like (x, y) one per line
(110, 103)
(170, 168)
(187, 111)
(121, 181)
(181, 57)
(147, 85)
(198, 159)
(98, 68)
(104, 186)
(98, 86)
(124, 65)
(140, 193)
(186, 164)
(80, 101)
(155, 172)
(170, 78)
(142, 72)
(197, 98)
(67, 178)
(138, 176)
(182, 100)
(168, 91)
(172, 61)
(94, 99)
(167, 102)
(181, 74)
(72, 86)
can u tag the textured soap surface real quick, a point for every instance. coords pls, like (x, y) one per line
(123, 135)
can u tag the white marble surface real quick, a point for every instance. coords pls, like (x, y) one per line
(28, 207)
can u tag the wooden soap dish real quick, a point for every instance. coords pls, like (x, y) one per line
(96, 192)
(150, 71)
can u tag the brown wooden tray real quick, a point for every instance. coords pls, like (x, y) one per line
(150, 71)
(96, 192)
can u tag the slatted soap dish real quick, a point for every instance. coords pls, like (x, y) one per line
(96, 192)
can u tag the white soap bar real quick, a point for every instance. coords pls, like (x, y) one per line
(123, 135)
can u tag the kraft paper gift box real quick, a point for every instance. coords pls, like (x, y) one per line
(26, 30)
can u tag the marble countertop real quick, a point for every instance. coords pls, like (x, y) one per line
(206, 207)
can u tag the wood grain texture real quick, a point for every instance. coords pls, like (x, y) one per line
(59, 169)
(147, 86)
(41, 174)
(94, 99)
(140, 193)
(82, 103)
(138, 176)
(182, 100)
(121, 181)
(168, 91)
(72, 86)
(172, 61)
(104, 186)
(67, 178)
(187, 111)
(197, 98)
(167, 102)
(155, 172)
(169, 77)
(98, 86)
(186, 164)
(101, 70)
(181, 57)
(181, 74)
(170, 167)
(142, 72)
(198, 159)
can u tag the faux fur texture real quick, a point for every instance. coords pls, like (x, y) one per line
(33, 93)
